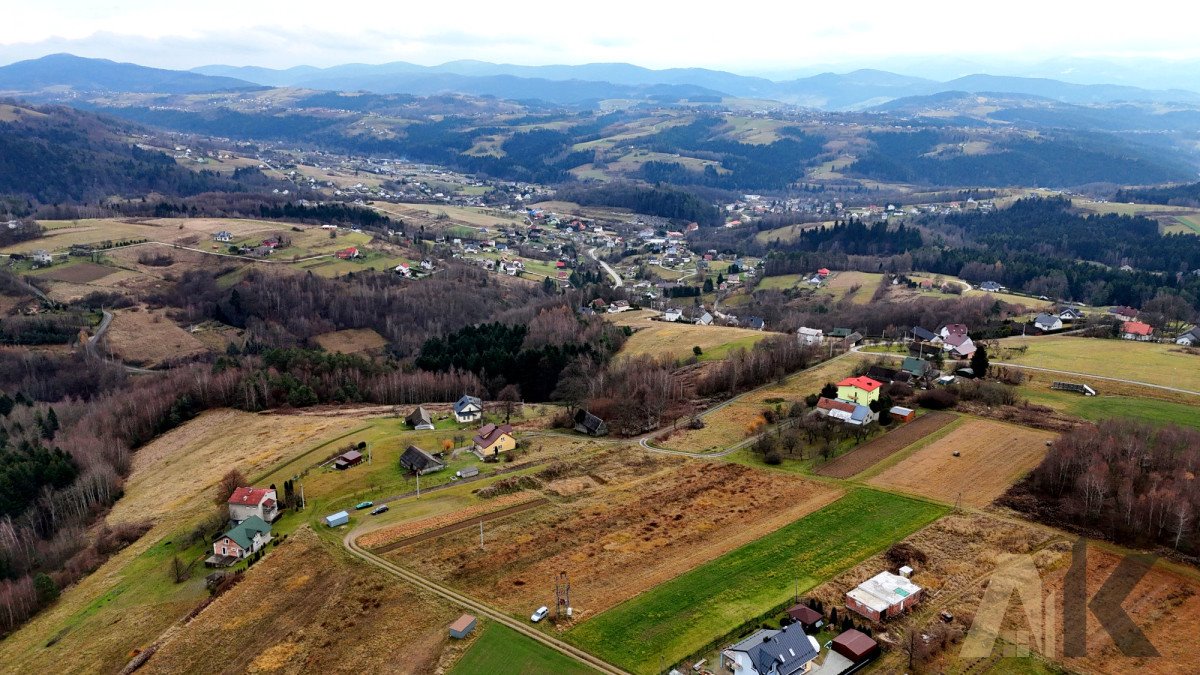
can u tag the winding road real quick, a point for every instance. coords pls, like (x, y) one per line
(92, 344)
(617, 280)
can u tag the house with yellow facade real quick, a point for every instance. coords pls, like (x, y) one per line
(493, 440)
(862, 390)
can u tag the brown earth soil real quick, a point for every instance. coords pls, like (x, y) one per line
(307, 609)
(391, 538)
(866, 456)
(81, 273)
(647, 520)
(992, 456)
(144, 338)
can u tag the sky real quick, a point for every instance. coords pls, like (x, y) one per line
(746, 37)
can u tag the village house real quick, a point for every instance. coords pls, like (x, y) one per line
(618, 306)
(242, 540)
(990, 287)
(224, 236)
(347, 253)
(494, 439)
(920, 334)
(917, 367)
(1136, 330)
(952, 329)
(862, 390)
(846, 411)
(755, 323)
(41, 257)
(1047, 322)
(788, 651)
(705, 319)
(419, 462)
(1070, 314)
(587, 423)
(672, 314)
(959, 346)
(1190, 338)
(810, 336)
(419, 420)
(1124, 313)
(468, 409)
(252, 502)
(883, 596)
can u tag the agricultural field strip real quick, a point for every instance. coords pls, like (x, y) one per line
(469, 603)
(462, 524)
(876, 450)
(711, 599)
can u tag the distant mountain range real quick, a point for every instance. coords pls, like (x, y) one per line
(66, 70)
(854, 90)
(564, 85)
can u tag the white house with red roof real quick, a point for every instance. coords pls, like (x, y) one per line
(246, 502)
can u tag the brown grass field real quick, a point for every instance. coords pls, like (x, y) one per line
(622, 522)
(306, 608)
(993, 456)
(351, 341)
(79, 273)
(149, 339)
(675, 340)
(1162, 364)
(865, 456)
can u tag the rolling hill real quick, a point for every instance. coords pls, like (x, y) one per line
(66, 70)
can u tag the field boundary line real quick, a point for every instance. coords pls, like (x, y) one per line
(586, 658)
(460, 525)
(906, 452)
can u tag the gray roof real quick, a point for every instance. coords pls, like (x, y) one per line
(418, 417)
(922, 334)
(416, 459)
(1044, 318)
(784, 651)
(467, 400)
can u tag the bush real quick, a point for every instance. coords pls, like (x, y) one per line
(988, 393)
(899, 390)
(773, 458)
(937, 399)
(697, 351)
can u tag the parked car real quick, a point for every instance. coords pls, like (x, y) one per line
(364, 505)
(540, 614)
(382, 508)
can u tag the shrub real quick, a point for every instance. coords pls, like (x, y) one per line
(937, 399)
(773, 458)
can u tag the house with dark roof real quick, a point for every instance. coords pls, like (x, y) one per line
(419, 462)
(959, 346)
(419, 420)
(251, 502)
(921, 335)
(917, 367)
(587, 423)
(494, 439)
(952, 329)
(1047, 322)
(808, 618)
(839, 333)
(1070, 314)
(787, 651)
(347, 460)
(1189, 339)
(855, 646)
(755, 323)
(990, 287)
(242, 540)
(881, 373)
(468, 409)
(1124, 313)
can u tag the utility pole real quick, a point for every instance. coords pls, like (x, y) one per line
(418, 486)
(481, 534)
(302, 502)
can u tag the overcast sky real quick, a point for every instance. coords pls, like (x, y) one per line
(744, 37)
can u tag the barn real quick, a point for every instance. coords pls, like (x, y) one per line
(348, 459)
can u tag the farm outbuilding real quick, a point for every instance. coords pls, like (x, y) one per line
(462, 626)
(337, 519)
(348, 459)
(417, 461)
(808, 618)
(902, 414)
(855, 645)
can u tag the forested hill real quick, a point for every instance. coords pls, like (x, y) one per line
(1172, 195)
(52, 155)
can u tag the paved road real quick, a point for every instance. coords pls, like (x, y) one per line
(91, 345)
(1009, 364)
(617, 280)
(350, 542)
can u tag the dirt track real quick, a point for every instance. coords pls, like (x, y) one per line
(866, 456)
(461, 525)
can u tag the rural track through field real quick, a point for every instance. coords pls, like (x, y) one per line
(878, 449)
(90, 345)
(460, 525)
(1009, 364)
(462, 600)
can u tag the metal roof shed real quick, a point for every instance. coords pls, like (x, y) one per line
(462, 626)
(336, 519)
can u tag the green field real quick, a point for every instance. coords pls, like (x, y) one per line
(500, 650)
(1096, 408)
(1184, 225)
(679, 617)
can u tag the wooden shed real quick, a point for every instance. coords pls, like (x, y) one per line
(462, 626)
(808, 618)
(348, 459)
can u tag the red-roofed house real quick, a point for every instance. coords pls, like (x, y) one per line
(252, 501)
(348, 253)
(493, 439)
(1136, 330)
(860, 389)
(823, 272)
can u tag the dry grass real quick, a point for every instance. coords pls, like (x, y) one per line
(351, 341)
(993, 455)
(308, 609)
(675, 340)
(639, 521)
(1161, 364)
(79, 273)
(146, 338)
